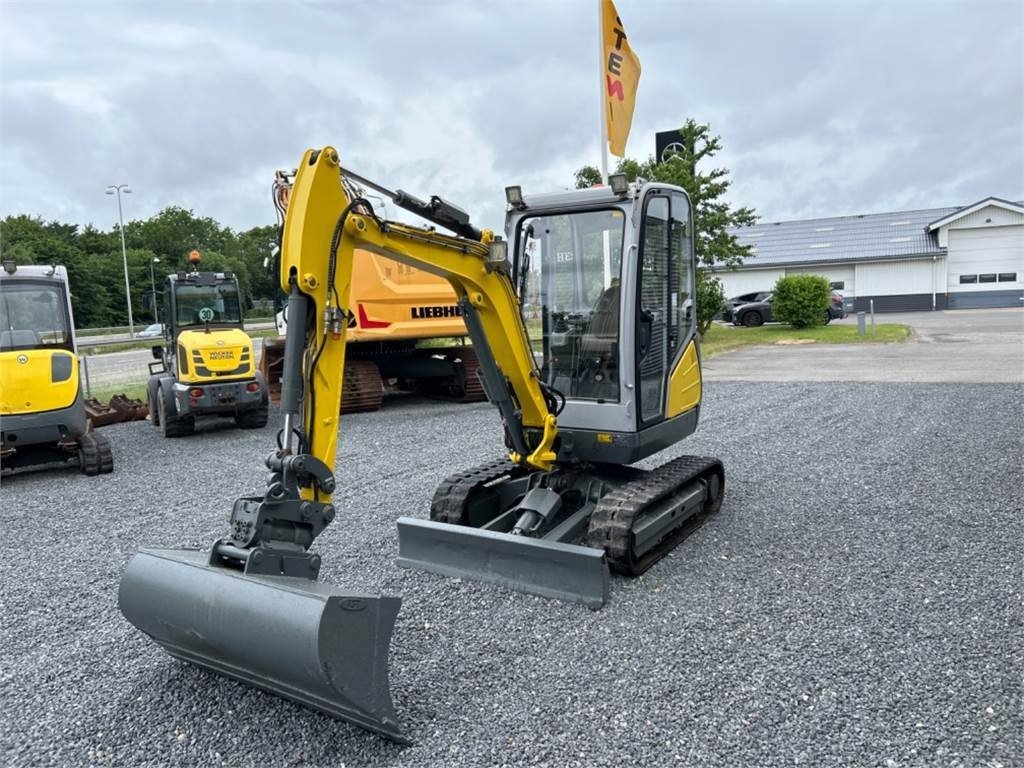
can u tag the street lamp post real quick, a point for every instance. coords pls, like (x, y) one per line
(152, 283)
(118, 189)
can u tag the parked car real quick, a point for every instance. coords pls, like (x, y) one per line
(755, 313)
(745, 298)
(837, 309)
(152, 331)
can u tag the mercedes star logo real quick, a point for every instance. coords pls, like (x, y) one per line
(675, 146)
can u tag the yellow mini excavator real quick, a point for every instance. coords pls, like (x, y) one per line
(585, 334)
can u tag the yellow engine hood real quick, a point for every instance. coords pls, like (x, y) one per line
(37, 380)
(220, 354)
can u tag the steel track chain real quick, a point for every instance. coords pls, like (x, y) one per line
(611, 524)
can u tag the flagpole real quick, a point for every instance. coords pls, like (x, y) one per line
(602, 105)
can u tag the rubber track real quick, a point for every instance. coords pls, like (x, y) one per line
(106, 454)
(452, 495)
(611, 524)
(89, 455)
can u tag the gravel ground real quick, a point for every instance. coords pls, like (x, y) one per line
(856, 602)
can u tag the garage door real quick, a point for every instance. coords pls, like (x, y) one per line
(986, 267)
(985, 299)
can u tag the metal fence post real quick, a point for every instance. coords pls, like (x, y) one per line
(872, 303)
(84, 362)
(861, 324)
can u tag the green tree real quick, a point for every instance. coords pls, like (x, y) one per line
(713, 217)
(96, 268)
(254, 245)
(710, 295)
(175, 231)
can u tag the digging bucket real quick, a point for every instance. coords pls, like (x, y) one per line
(308, 642)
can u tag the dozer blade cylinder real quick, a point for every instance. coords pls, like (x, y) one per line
(547, 568)
(305, 641)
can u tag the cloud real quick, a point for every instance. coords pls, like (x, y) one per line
(823, 109)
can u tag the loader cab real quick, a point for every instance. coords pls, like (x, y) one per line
(606, 285)
(201, 300)
(204, 333)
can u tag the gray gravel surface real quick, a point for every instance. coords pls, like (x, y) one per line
(857, 601)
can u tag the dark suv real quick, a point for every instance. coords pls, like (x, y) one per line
(737, 301)
(759, 311)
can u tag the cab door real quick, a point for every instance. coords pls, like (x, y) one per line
(666, 314)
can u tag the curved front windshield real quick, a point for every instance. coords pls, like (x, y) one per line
(568, 273)
(202, 304)
(33, 315)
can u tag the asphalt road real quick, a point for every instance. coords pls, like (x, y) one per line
(967, 346)
(857, 601)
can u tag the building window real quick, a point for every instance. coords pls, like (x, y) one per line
(838, 285)
(1007, 277)
(989, 278)
(965, 279)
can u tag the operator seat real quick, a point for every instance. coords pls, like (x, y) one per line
(602, 333)
(597, 375)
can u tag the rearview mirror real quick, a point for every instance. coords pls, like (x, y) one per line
(158, 353)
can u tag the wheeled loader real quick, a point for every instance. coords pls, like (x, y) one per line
(206, 365)
(585, 336)
(42, 408)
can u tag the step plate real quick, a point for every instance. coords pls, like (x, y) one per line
(549, 569)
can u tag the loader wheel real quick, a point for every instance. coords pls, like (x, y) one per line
(153, 396)
(254, 418)
(94, 454)
(172, 425)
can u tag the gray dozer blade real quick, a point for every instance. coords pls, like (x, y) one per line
(546, 568)
(305, 641)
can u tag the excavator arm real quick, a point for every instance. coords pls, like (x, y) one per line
(323, 228)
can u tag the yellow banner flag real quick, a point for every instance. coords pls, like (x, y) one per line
(621, 74)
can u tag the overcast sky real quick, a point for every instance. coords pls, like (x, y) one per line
(823, 108)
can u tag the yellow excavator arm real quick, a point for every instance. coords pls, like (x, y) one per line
(323, 228)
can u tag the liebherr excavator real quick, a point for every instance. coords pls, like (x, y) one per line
(585, 337)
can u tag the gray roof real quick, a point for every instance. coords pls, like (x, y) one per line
(867, 237)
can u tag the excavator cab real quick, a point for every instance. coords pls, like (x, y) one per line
(43, 417)
(609, 282)
(605, 283)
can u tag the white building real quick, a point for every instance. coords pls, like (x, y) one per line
(955, 258)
